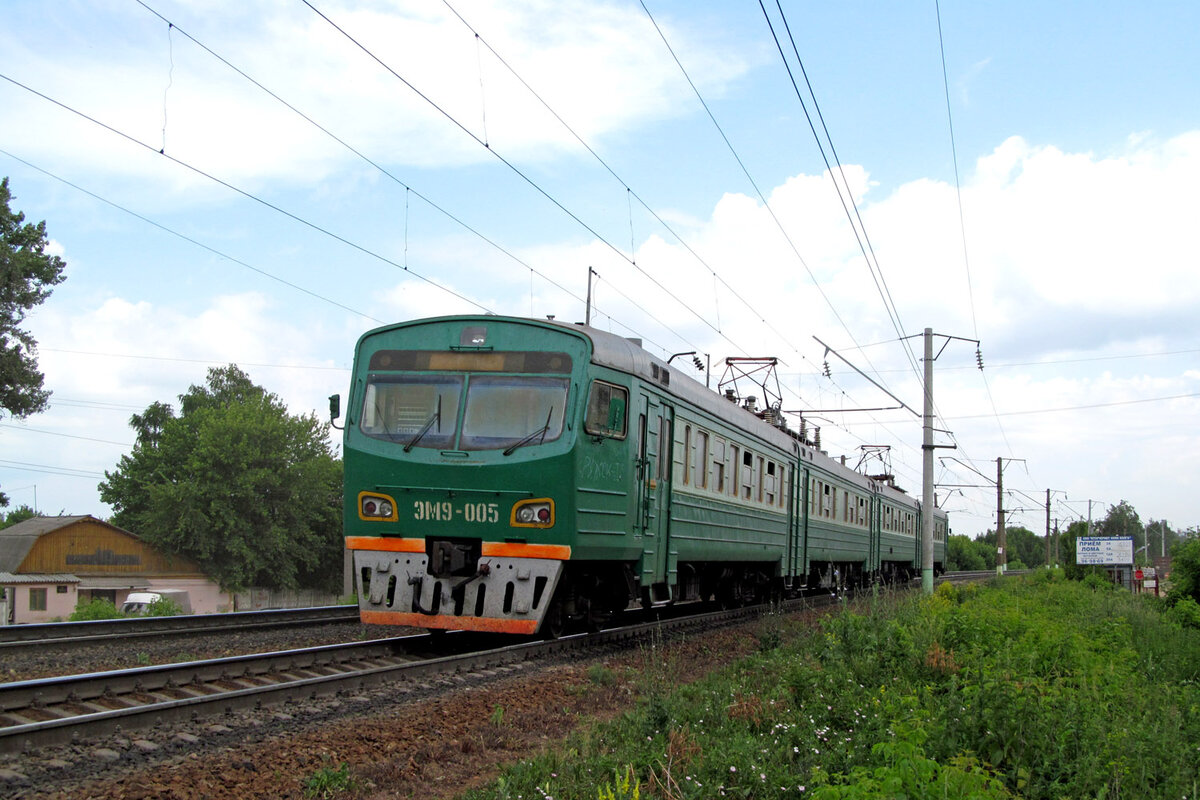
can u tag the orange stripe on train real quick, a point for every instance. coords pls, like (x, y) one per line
(391, 545)
(558, 552)
(487, 624)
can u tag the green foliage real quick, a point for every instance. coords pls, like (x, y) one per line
(966, 554)
(1185, 613)
(1023, 547)
(1032, 688)
(18, 514)
(164, 607)
(1185, 570)
(27, 277)
(94, 608)
(235, 483)
(624, 786)
(601, 675)
(328, 782)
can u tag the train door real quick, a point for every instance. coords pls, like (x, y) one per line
(797, 480)
(654, 451)
(875, 540)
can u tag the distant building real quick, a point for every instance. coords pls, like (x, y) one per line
(49, 564)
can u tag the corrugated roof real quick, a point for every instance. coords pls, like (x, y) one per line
(9, 578)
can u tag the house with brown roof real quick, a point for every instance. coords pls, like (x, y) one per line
(49, 564)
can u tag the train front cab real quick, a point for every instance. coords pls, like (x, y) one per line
(459, 440)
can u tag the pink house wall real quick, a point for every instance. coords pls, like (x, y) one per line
(58, 606)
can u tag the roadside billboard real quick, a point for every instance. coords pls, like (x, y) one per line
(1104, 550)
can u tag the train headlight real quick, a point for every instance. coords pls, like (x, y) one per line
(374, 507)
(537, 513)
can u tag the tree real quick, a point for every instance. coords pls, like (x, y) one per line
(1122, 520)
(1185, 571)
(18, 514)
(235, 483)
(962, 554)
(27, 275)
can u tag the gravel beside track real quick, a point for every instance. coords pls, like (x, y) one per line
(420, 740)
(51, 660)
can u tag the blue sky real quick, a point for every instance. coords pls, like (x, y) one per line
(1078, 148)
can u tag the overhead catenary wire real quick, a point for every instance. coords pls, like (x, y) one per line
(519, 173)
(863, 240)
(387, 173)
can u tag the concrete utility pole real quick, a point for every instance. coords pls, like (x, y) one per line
(928, 498)
(587, 314)
(1001, 556)
(927, 502)
(1047, 527)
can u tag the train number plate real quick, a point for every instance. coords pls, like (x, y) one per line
(447, 511)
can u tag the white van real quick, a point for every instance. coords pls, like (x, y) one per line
(138, 603)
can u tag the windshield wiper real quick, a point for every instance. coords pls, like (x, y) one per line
(541, 432)
(435, 417)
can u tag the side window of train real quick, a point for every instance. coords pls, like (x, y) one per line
(606, 411)
(718, 465)
(747, 475)
(663, 468)
(699, 459)
(687, 455)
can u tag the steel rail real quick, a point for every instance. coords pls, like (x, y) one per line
(98, 704)
(82, 705)
(79, 634)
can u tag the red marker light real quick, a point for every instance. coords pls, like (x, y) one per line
(543, 515)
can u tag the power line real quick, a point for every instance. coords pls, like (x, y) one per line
(195, 360)
(190, 240)
(25, 466)
(872, 261)
(66, 435)
(244, 193)
(387, 173)
(519, 173)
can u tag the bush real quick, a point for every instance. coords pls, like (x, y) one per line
(1185, 613)
(95, 608)
(164, 607)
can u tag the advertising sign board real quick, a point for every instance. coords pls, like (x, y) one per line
(1104, 550)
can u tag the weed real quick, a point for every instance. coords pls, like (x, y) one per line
(601, 675)
(328, 782)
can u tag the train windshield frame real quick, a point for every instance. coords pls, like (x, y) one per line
(478, 406)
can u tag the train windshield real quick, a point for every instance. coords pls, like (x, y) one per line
(503, 412)
(415, 410)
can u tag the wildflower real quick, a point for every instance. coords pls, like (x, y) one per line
(733, 769)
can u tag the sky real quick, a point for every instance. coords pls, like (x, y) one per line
(261, 183)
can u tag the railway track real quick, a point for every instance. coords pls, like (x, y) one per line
(50, 711)
(67, 635)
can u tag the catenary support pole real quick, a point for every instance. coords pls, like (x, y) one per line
(1001, 555)
(927, 498)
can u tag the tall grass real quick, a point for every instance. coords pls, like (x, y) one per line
(1033, 688)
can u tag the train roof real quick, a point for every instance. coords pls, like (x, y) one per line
(626, 355)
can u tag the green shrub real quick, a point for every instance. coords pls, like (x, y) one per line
(1185, 613)
(164, 607)
(328, 782)
(94, 608)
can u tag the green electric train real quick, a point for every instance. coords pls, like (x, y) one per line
(519, 475)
